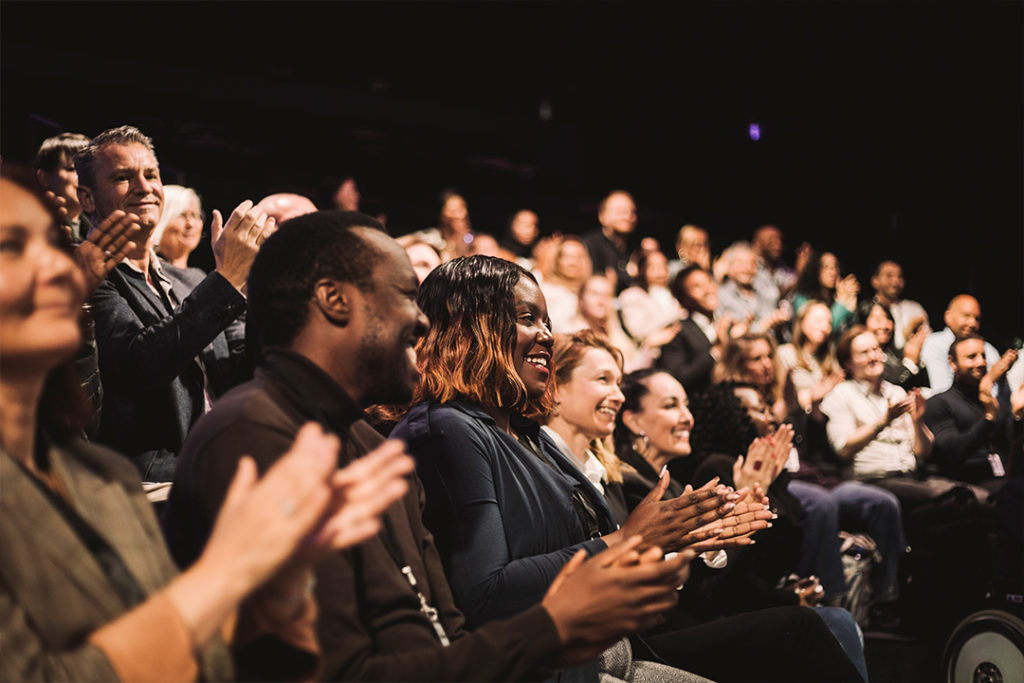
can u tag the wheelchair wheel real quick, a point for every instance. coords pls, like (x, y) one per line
(986, 647)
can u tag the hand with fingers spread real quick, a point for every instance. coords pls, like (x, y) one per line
(620, 591)
(59, 203)
(288, 518)
(666, 523)
(236, 242)
(749, 515)
(105, 246)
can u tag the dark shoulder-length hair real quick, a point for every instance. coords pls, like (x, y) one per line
(863, 312)
(469, 351)
(63, 407)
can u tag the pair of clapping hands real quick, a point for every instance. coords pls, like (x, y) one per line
(626, 588)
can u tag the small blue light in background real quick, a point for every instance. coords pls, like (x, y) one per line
(755, 132)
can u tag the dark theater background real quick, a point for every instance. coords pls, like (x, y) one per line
(886, 130)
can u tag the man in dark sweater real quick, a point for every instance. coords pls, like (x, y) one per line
(332, 311)
(973, 429)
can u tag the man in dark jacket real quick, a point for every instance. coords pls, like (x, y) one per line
(162, 351)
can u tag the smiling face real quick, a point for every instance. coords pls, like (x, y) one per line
(969, 363)
(880, 325)
(963, 316)
(701, 292)
(663, 416)
(866, 358)
(41, 289)
(532, 352)
(889, 281)
(816, 325)
(591, 398)
(393, 323)
(127, 178)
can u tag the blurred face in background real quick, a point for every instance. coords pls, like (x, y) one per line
(524, 227)
(424, 259)
(656, 270)
(182, 233)
(597, 299)
(701, 291)
(880, 325)
(828, 273)
(889, 281)
(619, 214)
(816, 325)
(759, 363)
(768, 242)
(964, 316)
(63, 182)
(743, 266)
(572, 261)
(758, 412)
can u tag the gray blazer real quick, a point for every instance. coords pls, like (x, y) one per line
(53, 593)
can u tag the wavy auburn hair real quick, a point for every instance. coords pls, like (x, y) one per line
(469, 351)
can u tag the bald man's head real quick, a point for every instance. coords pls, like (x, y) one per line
(963, 315)
(285, 205)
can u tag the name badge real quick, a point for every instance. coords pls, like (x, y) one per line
(997, 465)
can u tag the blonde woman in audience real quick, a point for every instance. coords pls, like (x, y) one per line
(810, 359)
(588, 370)
(569, 267)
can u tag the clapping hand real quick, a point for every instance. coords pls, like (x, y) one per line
(616, 593)
(105, 246)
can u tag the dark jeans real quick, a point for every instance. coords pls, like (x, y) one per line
(856, 507)
(785, 644)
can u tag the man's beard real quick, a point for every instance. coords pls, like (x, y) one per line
(383, 370)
